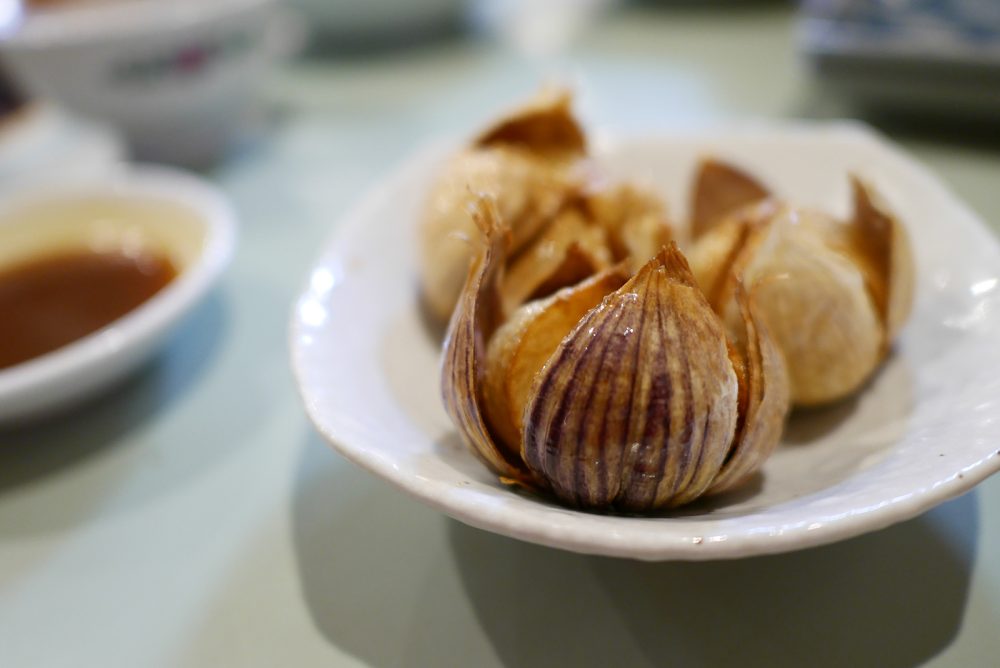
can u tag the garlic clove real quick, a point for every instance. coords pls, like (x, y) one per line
(568, 251)
(712, 257)
(816, 304)
(544, 125)
(764, 397)
(528, 191)
(641, 237)
(637, 407)
(636, 221)
(475, 318)
(883, 247)
(718, 258)
(527, 161)
(719, 189)
(522, 345)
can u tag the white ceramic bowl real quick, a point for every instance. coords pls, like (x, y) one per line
(42, 144)
(925, 429)
(177, 77)
(199, 241)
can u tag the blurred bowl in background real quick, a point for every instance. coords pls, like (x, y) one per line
(177, 77)
(936, 60)
(359, 20)
(39, 143)
(155, 209)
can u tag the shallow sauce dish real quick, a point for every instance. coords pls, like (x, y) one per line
(160, 211)
(925, 429)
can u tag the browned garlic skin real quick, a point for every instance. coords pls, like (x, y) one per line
(476, 316)
(527, 163)
(524, 343)
(544, 124)
(813, 298)
(528, 191)
(882, 242)
(637, 407)
(635, 397)
(719, 189)
(818, 308)
(833, 293)
(611, 394)
(764, 396)
(568, 251)
(599, 227)
(635, 220)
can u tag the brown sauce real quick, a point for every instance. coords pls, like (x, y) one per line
(54, 300)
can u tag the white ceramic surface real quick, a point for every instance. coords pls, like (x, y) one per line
(177, 78)
(200, 244)
(925, 429)
(42, 144)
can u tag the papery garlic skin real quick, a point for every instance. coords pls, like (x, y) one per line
(476, 316)
(527, 162)
(544, 124)
(834, 293)
(813, 298)
(637, 408)
(522, 345)
(569, 250)
(882, 240)
(635, 220)
(817, 306)
(528, 192)
(615, 393)
(719, 189)
(621, 224)
(764, 396)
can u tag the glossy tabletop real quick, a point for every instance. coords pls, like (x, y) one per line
(192, 517)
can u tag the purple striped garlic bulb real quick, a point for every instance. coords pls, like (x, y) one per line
(621, 392)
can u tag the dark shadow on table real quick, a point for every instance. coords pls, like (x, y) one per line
(47, 443)
(354, 542)
(977, 134)
(891, 598)
(51, 444)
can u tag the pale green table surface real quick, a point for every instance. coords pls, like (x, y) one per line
(193, 517)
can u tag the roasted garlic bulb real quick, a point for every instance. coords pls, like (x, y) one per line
(621, 391)
(833, 293)
(527, 161)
